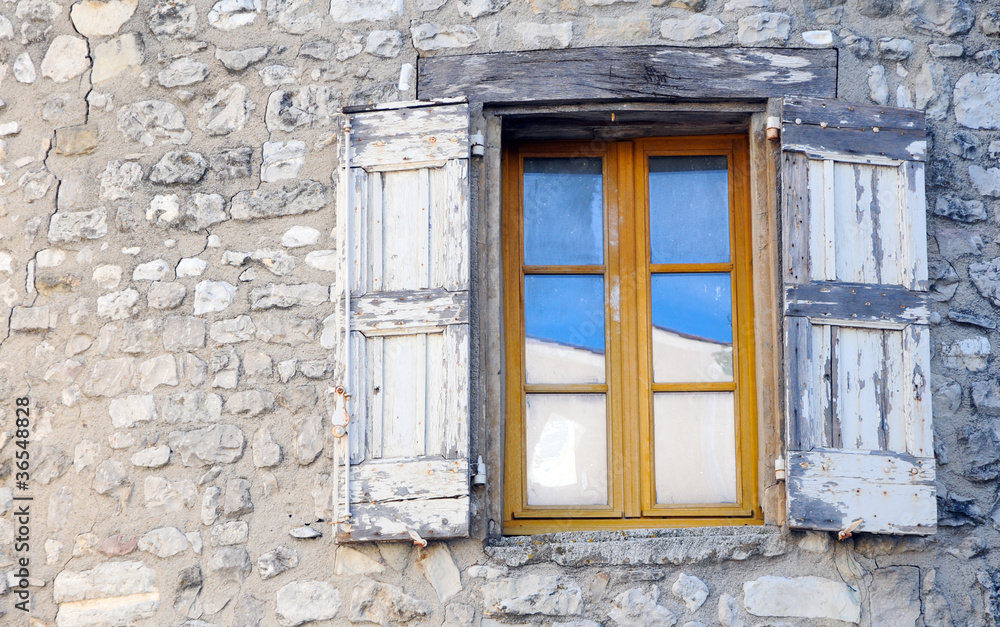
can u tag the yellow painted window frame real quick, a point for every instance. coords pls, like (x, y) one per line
(627, 270)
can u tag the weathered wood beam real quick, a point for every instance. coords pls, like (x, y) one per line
(822, 127)
(633, 72)
(855, 304)
(406, 312)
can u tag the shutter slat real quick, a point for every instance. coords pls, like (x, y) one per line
(860, 443)
(409, 323)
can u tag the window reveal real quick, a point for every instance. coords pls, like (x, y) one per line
(629, 334)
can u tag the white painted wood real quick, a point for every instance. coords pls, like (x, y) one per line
(894, 392)
(861, 442)
(359, 386)
(404, 390)
(456, 430)
(410, 136)
(457, 195)
(376, 408)
(404, 231)
(408, 311)
(366, 198)
(375, 219)
(828, 490)
(437, 395)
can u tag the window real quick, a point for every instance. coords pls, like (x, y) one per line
(629, 334)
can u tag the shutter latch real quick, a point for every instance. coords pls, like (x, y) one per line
(779, 469)
(480, 477)
(478, 144)
(773, 128)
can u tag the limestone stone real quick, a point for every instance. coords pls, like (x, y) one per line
(110, 377)
(305, 532)
(946, 51)
(953, 243)
(76, 140)
(230, 533)
(299, 236)
(232, 163)
(764, 28)
(309, 438)
(182, 72)
(165, 295)
(428, 37)
(149, 120)
(323, 260)
(192, 407)
(108, 476)
(228, 111)
(293, 199)
(297, 397)
(384, 604)
(74, 226)
(66, 58)
(201, 211)
(818, 37)
(389, 43)
(551, 595)
(296, 17)
(691, 590)
(895, 48)
(157, 371)
(276, 75)
(215, 444)
(687, 28)
(970, 354)
(190, 266)
(155, 270)
(127, 412)
(986, 397)
(478, 8)
(965, 145)
(802, 597)
(84, 456)
(537, 35)
(303, 601)
(228, 15)
(63, 109)
(316, 368)
(635, 607)
(933, 85)
(437, 566)
(266, 452)
(959, 209)
(225, 365)
(986, 278)
(152, 457)
(49, 463)
(277, 561)
(162, 496)
(986, 182)
(347, 12)
(93, 18)
(213, 296)
(282, 161)
(30, 318)
(947, 396)
(211, 505)
(233, 330)
(119, 179)
(354, 562)
(173, 19)
(878, 86)
(307, 106)
(237, 500)
(977, 101)
(179, 167)
(319, 49)
(116, 593)
(23, 69)
(938, 17)
(239, 60)
(249, 403)
(729, 614)
(163, 542)
(183, 332)
(277, 262)
(230, 563)
(279, 295)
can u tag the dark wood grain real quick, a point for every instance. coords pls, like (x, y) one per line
(635, 72)
(856, 303)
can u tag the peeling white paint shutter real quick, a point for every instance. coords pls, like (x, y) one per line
(857, 350)
(409, 252)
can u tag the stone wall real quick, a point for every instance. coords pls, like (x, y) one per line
(167, 183)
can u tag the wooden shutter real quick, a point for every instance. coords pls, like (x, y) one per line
(857, 350)
(408, 239)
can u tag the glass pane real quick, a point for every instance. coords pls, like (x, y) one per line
(688, 209)
(564, 329)
(563, 211)
(567, 449)
(694, 435)
(692, 327)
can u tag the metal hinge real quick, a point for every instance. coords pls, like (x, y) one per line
(779, 469)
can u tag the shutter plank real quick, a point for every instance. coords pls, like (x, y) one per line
(821, 233)
(852, 211)
(375, 272)
(456, 433)
(915, 218)
(797, 226)
(894, 417)
(360, 236)
(429, 496)
(457, 200)
(358, 388)
(404, 388)
(824, 429)
(408, 311)
(916, 382)
(828, 490)
(405, 227)
(437, 395)
(856, 304)
(410, 138)
(376, 406)
(887, 235)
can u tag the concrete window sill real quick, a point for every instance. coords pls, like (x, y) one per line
(639, 547)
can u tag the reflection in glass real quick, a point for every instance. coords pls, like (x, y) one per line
(688, 209)
(567, 449)
(692, 327)
(563, 211)
(564, 329)
(694, 439)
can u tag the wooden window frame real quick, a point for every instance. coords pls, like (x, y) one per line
(627, 268)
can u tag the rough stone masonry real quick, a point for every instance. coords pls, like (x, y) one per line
(167, 184)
